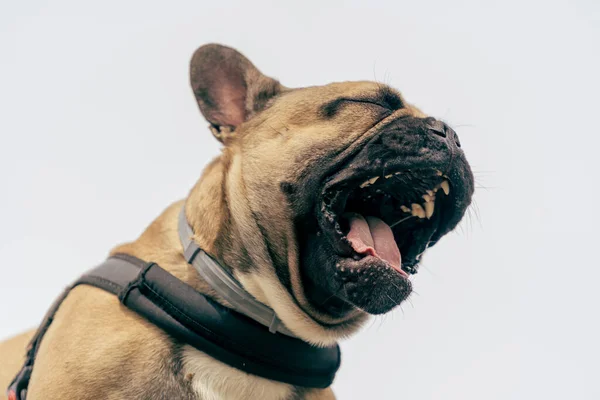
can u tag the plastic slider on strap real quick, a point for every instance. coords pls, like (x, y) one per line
(274, 324)
(191, 251)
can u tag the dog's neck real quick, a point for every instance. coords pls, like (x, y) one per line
(224, 227)
(211, 219)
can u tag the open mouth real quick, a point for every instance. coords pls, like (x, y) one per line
(392, 216)
(376, 215)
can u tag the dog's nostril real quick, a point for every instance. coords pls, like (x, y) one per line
(450, 132)
(456, 140)
(438, 127)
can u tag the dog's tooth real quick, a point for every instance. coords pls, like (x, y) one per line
(418, 211)
(369, 182)
(397, 173)
(438, 172)
(430, 192)
(445, 187)
(389, 176)
(428, 198)
(429, 207)
(405, 209)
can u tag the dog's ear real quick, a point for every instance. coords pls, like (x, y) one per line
(229, 89)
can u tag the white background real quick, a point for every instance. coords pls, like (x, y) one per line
(100, 132)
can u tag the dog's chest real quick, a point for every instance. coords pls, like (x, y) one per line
(214, 380)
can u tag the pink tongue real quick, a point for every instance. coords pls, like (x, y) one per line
(371, 236)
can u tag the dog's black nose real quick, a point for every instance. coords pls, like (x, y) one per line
(442, 129)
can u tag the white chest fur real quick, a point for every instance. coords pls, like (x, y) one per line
(214, 380)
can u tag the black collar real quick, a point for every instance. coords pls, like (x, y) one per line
(225, 334)
(224, 283)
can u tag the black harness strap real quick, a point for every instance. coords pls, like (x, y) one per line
(195, 319)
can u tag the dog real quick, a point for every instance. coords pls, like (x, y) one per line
(321, 205)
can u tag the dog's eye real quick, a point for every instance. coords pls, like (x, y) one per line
(331, 108)
(386, 108)
(372, 103)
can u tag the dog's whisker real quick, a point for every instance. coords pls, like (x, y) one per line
(402, 220)
(332, 296)
(275, 130)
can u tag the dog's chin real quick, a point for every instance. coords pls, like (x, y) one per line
(339, 286)
(370, 284)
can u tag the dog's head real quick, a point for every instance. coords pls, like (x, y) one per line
(325, 198)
